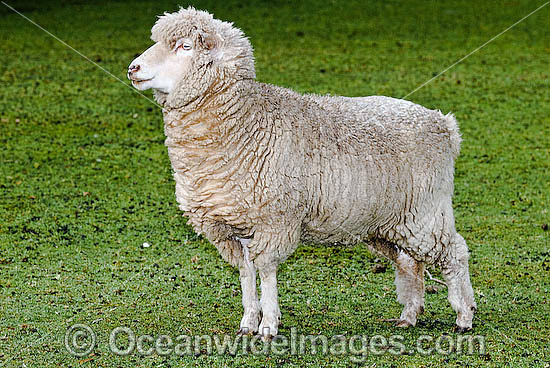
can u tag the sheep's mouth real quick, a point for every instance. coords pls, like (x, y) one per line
(138, 81)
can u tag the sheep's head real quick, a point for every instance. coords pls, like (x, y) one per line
(192, 50)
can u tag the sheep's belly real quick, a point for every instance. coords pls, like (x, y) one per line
(349, 218)
(354, 227)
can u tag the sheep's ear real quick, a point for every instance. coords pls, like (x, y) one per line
(207, 40)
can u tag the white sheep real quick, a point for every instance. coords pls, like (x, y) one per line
(259, 168)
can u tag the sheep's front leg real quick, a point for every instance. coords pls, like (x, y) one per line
(271, 248)
(269, 301)
(251, 316)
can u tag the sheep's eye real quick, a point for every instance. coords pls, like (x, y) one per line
(183, 46)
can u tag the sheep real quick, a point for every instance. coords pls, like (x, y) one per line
(260, 168)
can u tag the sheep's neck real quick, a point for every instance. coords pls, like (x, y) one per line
(193, 96)
(212, 120)
(212, 154)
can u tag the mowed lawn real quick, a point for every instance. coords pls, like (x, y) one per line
(85, 181)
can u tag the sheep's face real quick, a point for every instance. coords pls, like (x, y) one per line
(192, 51)
(160, 67)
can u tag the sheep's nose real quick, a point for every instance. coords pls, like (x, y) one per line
(132, 69)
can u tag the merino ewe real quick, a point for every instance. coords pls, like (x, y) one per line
(259, 168)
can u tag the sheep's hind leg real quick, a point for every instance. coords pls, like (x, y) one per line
(251, 316)
(409, 282)
(456, 274)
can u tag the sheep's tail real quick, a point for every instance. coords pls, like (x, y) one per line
(452, 126)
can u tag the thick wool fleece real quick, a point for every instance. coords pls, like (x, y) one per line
(253, 160)
(259, 159)
(259, 168)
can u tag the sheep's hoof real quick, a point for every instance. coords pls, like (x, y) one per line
(267, 338)
(245, 331)
(462, 330)
(403, 324)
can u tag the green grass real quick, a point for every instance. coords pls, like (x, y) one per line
(85, 180)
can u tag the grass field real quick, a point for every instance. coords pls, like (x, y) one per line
(85, 180)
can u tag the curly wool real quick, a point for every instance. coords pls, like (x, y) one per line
(260, 158)
(255, 158)
(259, 168)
